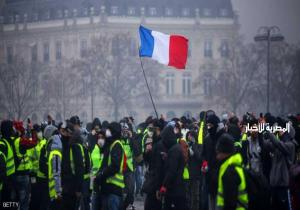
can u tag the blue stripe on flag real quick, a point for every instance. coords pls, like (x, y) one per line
(147, 42)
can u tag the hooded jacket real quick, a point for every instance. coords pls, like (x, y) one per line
(73, 182)
(283, 151)
(173, 179)
(116, 154)
(209, 154)
(56, 163)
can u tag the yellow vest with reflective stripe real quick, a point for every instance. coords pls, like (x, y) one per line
(51, 181)
(128, 153)
(23, 158)
(10, 161)
(1, 183)
(97, 158)
(200, 133)
(34, 155)
(118, 178)
(86, 175)
(235, 159)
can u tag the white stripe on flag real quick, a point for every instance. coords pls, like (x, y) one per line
(161, 47)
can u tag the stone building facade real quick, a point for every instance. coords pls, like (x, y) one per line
(52, 31)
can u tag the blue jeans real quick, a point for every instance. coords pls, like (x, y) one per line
(112, 202)
(138, 179)
(96, 201)
(22, 186)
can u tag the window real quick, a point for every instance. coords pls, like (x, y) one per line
(131, 11)
(46, 52)
(170, 84)
(207, 85)
(224, 50)
(58, 47)
(34, 53)
(59, 14)
(169, 12)
(83, 48)
(85, 11)
(152, 11)
(208, 48)
(47, 15)
(35, 16)
(114, 10)
(17, 18)
(185, 12)
(186, 84)
(207, 12)
(9, 51)
(223, 12)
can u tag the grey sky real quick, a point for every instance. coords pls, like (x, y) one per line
(256, 13)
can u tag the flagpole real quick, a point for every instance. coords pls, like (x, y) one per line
(148, 87)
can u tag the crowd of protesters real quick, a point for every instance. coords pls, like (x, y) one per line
(186, 164)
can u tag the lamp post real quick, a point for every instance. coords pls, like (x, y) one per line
(269, 34)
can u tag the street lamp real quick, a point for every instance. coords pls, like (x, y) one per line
(269, 34)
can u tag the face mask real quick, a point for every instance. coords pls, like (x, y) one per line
(150, 134)
(101, 142)
(40, 135)
(107, 133)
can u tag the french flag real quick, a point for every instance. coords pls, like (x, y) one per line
(167, 49)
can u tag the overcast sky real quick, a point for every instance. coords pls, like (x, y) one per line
(256, 13)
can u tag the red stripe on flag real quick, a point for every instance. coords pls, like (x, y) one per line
(178, 51)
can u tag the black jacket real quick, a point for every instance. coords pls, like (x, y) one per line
(72, 183)
(109, 171)
(2, 168)
(173, 179)
(231, 182)
(195, 160)
(209, 154)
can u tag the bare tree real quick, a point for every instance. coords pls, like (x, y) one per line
(114, 69)
(19, 88)
(284, 78)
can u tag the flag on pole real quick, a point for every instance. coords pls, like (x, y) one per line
(167, 49)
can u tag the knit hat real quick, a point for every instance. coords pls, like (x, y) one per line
(49, 131)
(225, 144)
(213, 119)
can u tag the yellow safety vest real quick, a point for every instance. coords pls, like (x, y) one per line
(34, 155)
(87, 174)
(201, 132)
(1, 183)
(239, 143)
(97, 158)
(128, 153)
(51, 181)
(23, 158)
(10, 161)
(242, 203)
(118, 178)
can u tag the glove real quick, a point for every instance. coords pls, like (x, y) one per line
(191, 151)
(204, 167)
(163, 190)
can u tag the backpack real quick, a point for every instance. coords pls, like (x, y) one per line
(258, 190)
